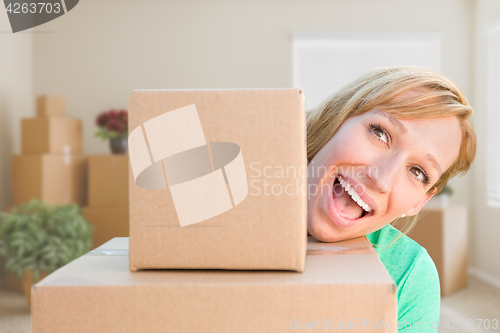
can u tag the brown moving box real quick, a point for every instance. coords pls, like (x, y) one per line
(443, 233)
(12, 282)
(344, 285)
(55, 179)
(51, 136)
(217, 179)
(108, 222)
(50, 106)
(108, 181)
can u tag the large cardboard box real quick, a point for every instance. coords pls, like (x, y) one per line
(217, 179)
(108, 181)
(50, 106)
(108, 222)
(344, 287)
(56, 179)
(443, 233)
(44, 135)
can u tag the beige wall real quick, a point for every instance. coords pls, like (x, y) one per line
(16, 97)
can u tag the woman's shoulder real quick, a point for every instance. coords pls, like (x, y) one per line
(391, 239)
(414, 273)
(400, 254)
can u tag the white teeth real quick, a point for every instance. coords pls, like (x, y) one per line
(361, 203)
(349, 189)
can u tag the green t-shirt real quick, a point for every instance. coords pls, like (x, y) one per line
(416, 277)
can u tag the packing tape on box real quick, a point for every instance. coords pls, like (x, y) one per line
(322, 249)
(199, 192)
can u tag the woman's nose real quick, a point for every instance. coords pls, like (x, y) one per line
(384, 173)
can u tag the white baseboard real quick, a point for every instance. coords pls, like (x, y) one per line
(485, 277)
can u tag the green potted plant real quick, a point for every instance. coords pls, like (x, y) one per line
(36, 239)
(113, 125)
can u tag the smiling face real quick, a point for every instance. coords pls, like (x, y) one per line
(387, 162)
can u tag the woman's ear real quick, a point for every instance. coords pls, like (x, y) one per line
(420, 204)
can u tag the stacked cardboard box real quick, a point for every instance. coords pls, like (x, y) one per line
(344, 286)
(217, 180)
(51, 166)
(107, 208)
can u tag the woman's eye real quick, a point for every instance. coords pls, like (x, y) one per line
(420, 175)
(380, 133)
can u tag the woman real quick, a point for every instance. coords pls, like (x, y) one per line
(378, 150)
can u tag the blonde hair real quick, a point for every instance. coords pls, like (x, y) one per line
(439, 97)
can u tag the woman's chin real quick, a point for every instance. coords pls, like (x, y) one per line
(323, 232)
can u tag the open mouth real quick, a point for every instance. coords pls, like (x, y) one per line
(348, 203)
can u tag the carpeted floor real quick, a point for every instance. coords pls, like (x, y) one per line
(478, 301)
